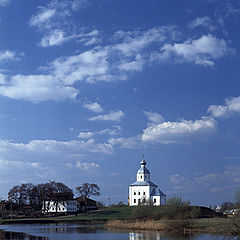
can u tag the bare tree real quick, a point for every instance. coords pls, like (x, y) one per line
(88, 189)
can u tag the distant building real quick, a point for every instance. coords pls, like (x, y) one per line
(86, 204)
(65, 206)
(79, 204)
(143, 191)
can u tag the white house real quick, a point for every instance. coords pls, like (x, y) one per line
(65, 206)
(144, 191)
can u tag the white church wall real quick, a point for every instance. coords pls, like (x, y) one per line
(137, 194)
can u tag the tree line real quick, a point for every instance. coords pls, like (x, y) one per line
(35, 195)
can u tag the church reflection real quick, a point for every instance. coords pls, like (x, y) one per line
(160, 235)
(144, 236)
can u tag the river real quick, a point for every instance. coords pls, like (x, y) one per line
(83, 232)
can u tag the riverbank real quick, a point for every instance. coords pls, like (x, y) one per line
(124, 217)
(223, 226)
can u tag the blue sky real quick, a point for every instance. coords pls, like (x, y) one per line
(87, 87)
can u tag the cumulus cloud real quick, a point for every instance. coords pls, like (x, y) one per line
(112, 116)
(95, 107)
(129, 52)
(202, 22)
(171, 132)
(203, 51)
(232, 105)
(36, 88)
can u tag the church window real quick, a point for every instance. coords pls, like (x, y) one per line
(134, 200)
(139, 193)
(143, 193)
(139, 201)
(141, 176)
(134, 193)
(154, 200)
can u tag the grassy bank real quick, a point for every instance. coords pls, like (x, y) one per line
(111, 213)
(207, 225)
(125, 217)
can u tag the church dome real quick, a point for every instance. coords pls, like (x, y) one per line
(143, 170)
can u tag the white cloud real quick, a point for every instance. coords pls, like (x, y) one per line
(37, 88)
(112, 116)
(54, 38)
(154, 117)
(135, 65)
(90, 66)
(171, 132)
(177, 179)
(107, 63)
(232, 105)
(209, 183)
(52, 20)
(128, 143)
(95, 107)
(202, 22)
(87, 165)
(57, 37)
(133, 42)
(43, 17)
(108, 131)
(7, 55)
(2, 79)
(85, 135)
(203, 51)
(4, 2)
(52, 149)
(18, 164)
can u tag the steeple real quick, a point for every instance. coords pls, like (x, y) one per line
(143, 173)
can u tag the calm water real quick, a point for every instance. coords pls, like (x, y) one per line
(80, 232)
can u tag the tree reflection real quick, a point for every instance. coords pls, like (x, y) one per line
(18, 236)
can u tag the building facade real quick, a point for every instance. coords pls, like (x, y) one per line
(65, 206)
(143, 191)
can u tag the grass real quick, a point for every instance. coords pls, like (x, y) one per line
(202, 225)
(111, 213)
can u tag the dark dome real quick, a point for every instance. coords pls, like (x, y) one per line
(143, 170)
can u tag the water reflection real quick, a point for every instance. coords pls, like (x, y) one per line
(18, 236)
(144, 236)
(83, 232)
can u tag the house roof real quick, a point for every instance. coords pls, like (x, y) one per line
(157, 192)
(84, 199)
(144, 183)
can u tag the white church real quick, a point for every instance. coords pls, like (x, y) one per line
(143, 191)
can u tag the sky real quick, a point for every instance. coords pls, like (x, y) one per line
(89, 86)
